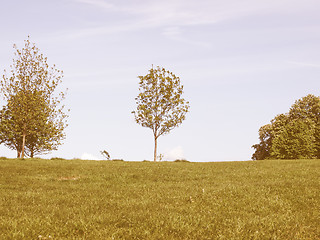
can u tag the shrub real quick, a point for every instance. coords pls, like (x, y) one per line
(57, 158)
(181, 160)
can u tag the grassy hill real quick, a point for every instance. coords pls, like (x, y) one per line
(74, 199)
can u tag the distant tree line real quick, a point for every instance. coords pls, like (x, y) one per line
(292, 135)
(33, 118)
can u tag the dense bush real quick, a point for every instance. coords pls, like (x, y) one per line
(181, 160)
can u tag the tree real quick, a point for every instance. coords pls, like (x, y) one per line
(266, 136)
(292, 135)
(308, 107)
(263, 148)
(15, 130)
(160, 105)
(32, 121)
(8, 136)
(296, 140)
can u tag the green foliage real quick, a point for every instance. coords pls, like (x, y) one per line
(160, 105)
(160, 157)
(263, 148)
(76, 199)
(308, 108)
(33, 121)
(57, 158)
(181, 160)
(296, 140)
(294, 135)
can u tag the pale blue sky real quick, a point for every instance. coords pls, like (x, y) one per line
(241, 63)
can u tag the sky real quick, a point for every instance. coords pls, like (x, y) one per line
(241, 63)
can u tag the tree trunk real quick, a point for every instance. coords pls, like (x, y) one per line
(18, 153)
(155, 149)
(23, 144)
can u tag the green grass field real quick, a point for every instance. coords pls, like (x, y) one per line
(74, 199)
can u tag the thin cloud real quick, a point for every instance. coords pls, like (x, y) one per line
(173, 14)
(98, 3)
(175, 33)
(193, 12)
(305, 64)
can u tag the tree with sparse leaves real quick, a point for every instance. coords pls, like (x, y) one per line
(160, 105)
(33, 120)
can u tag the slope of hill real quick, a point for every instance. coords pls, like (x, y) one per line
(74, 199)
